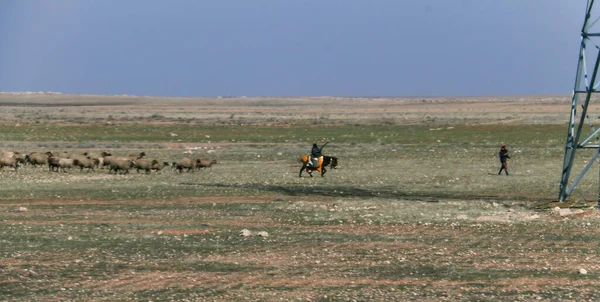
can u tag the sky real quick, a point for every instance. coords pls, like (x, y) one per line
(290, 47)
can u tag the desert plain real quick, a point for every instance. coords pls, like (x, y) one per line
(415, 211)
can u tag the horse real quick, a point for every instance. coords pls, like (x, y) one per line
(324, 161)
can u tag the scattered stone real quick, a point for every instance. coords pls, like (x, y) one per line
(565, 212)
(462, 217)
(582, 271)
(561, 212)
(69, 238)
(279, 153)
(22, 209)
(159, 233)
(555, 210)
(245, 233)
(263, 234)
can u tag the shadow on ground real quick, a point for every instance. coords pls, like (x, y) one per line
(355, 191)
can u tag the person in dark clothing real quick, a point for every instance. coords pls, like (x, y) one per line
(503, 156)
(315, 153)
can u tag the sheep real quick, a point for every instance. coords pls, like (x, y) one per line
(145, 164)
(66, 154)
(64, 163)
(60, 163)
(85, 162)
(159, 166)
(204, 163)
(36, 158)
(79, 157)
(7, 154)
(186, 163)
(107, 159)
(122, 165)
(20, 156)
(53, 163)
(17, 155)
(97, 158)
(92, 155)
(137, 156)
(99, 162)
(9, 161)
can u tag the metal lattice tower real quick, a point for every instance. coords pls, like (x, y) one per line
(580, 136)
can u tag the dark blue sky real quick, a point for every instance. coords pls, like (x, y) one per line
(292, 47)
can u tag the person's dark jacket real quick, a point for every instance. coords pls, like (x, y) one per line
(503, 155)
(315, 152)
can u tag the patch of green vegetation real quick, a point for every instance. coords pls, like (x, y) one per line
(459, 135)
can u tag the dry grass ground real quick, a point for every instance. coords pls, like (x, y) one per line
(414, 212)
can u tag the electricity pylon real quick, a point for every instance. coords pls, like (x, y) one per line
(578, 136)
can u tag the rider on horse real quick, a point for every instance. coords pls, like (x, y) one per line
(315, 153)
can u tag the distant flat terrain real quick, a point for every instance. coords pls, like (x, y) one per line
(89, 109)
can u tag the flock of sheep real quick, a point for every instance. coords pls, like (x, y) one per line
(118, 164)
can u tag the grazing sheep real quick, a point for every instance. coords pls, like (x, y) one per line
(204, 163)
(145, 164)
(85, 162)
(186, 163)
(9, 161)
(122, 165)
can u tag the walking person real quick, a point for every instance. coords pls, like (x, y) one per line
(503, 156)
